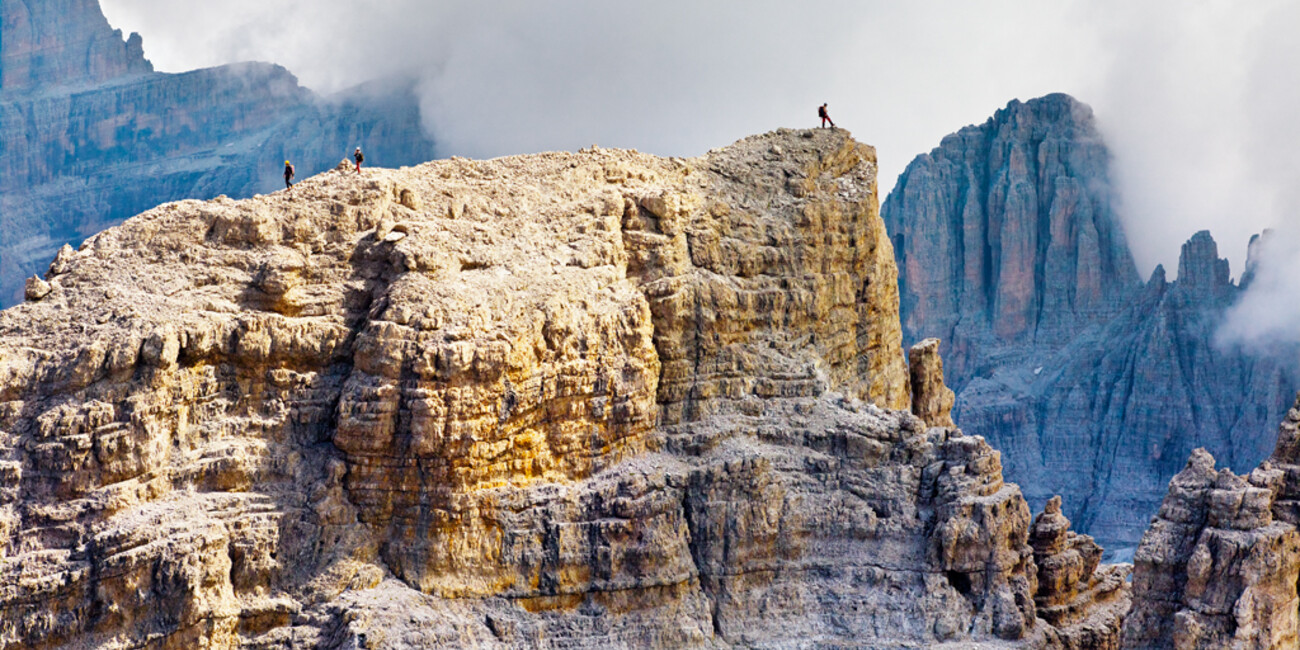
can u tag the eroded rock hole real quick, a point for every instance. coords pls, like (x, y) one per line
(959, 581)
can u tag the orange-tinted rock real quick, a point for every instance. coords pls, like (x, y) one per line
(931, 399)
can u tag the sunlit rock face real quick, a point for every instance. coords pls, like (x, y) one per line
(581, 399)
(90, 135)
(1092, 384)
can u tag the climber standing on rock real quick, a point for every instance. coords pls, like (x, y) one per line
(826, 117)
(288, 175)
(359, 157)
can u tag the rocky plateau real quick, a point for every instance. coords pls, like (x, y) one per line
(568, 400)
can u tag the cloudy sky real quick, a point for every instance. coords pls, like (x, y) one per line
(1198, 98)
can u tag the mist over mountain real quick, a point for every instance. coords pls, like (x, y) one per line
(90, 134)
(1199, 133)
(1093, 385)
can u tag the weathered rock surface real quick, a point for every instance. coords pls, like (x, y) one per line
(1085, 605)
(574, 400)
(1219, 565)
(90, 135)
(1090, 384)
(67, 41)
(931, 399)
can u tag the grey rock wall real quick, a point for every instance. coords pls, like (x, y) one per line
(89, 135)
(64, 41)
(1092, 384)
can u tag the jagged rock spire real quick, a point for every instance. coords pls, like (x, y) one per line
(1009, 228)
(931, 399)
(1201, 272)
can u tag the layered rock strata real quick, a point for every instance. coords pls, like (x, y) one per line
(90, 135)
(1218, 568)
(1090, 383)
(63, 41)
(1085, 602)
(581, 400)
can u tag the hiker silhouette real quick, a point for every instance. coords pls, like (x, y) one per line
(826, 117)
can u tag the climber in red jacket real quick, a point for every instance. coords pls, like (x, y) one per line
(359, 157)
(826, 117)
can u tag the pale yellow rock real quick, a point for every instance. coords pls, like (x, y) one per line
(570, 399)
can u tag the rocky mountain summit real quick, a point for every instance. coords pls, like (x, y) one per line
(90, 135)
(593, 399)
(1093, 384)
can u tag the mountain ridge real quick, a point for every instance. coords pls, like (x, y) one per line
(584, 398)
(99, 136)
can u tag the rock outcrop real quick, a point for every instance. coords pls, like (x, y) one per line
(1218, 568)
(931, 400)
(580, 400)
(1085, 602)
(89, 135)
(1090, 383)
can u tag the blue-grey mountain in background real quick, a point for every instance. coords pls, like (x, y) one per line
(90, 135)
(1093, 385)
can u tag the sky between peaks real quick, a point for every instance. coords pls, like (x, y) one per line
(1198, 99)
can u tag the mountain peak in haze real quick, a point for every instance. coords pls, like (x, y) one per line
(1011, 251)
(1007, 231)
(62, 42)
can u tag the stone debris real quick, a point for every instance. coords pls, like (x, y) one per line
(37, 288)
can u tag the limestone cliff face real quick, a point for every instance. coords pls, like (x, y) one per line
(585, 400)
(43, 42)
(1095, 386)
(89, 135)
(1006, 233)
(1218, 568)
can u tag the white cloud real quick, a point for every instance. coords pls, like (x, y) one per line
(1197, 98)
(675, 77)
